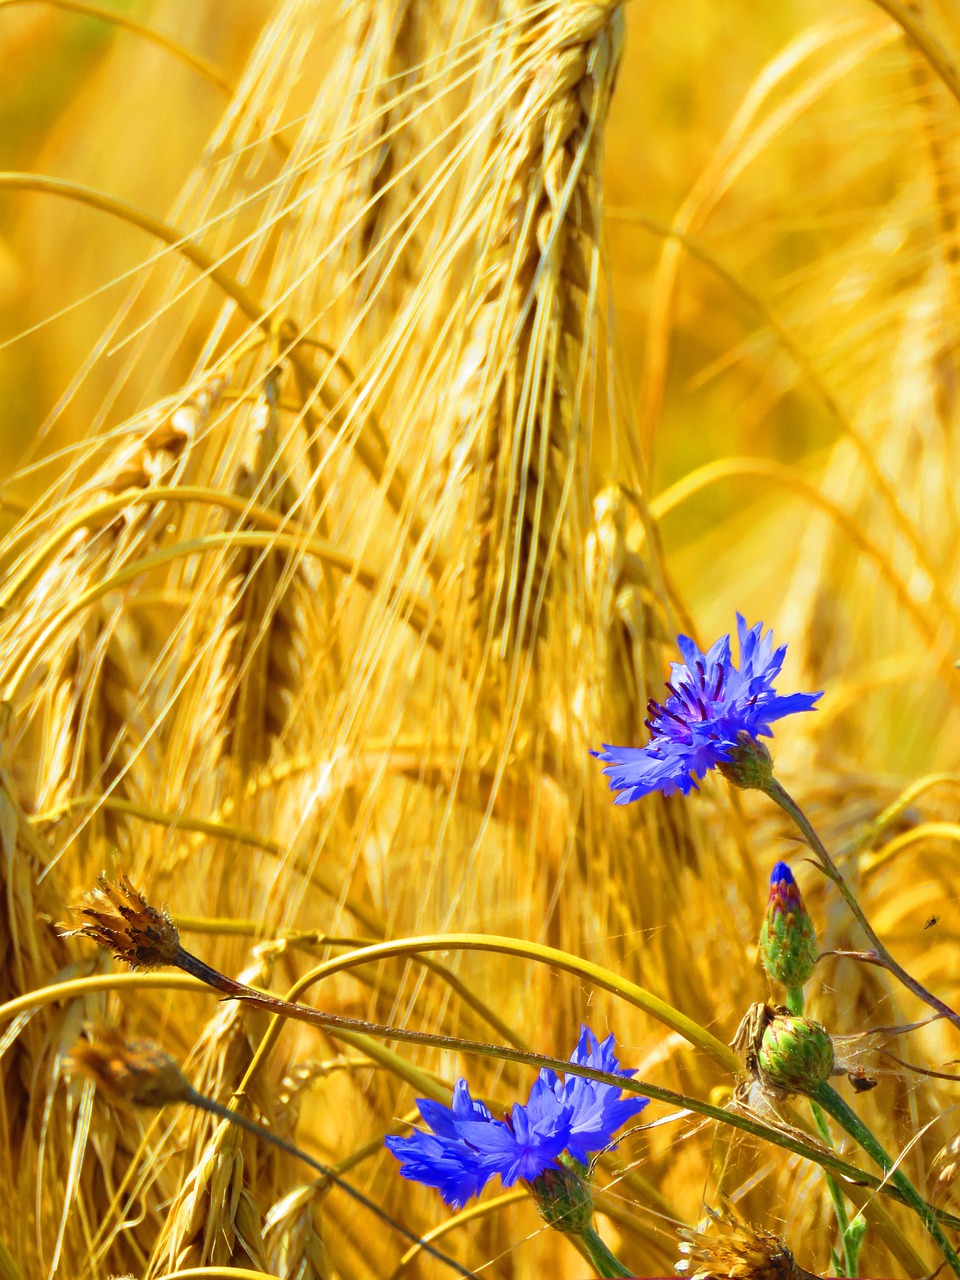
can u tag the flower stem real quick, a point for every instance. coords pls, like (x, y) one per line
(607, 1266)
(848, 1119)
(849, 1241)
(786, 802)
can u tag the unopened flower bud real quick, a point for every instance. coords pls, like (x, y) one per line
(795, 1054)
(750, 765)
(563, 1197)
(788, 942)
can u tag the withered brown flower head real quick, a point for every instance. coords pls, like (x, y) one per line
(137, 1071)
(121, 919)
(727, 1250)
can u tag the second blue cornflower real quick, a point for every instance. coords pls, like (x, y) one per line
(467, 1146)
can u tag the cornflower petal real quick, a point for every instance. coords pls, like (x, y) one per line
(526, 1146)
(598, 1110)
(453, 1168)
(444, 1121)
(710, 703)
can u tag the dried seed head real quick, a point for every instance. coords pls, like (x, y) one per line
(722, 1249)
(121, 919)
(137, 1072)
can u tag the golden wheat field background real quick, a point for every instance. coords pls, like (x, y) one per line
(383, 386)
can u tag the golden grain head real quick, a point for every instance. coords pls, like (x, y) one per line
(120, 919)
(323, 642)
(136, 1072)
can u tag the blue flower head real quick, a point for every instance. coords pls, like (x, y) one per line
(710, 702)
(467, 1146)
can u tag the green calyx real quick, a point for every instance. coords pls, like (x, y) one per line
(795, 1054)
(750, 765)
(563, 1197)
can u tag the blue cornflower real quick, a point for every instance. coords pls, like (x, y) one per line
(710, 703)
(467, 1146)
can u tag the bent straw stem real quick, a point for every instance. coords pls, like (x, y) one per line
(786, 802)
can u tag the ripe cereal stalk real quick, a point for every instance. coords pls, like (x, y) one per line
(321, 647)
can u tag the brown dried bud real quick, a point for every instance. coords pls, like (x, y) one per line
(120, 919)
(137, 1072)
(732, 1250)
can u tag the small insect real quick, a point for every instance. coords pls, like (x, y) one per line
(931, 922)
(862, 1083)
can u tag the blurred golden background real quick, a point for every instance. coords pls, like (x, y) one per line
(759, 403)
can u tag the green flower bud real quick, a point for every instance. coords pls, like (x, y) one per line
(563, 1198)
(788, 942)
(795, 1054)
(750, 765)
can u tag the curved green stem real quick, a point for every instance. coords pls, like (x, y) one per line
(786, 802)
(830, 1100)
(596, 1252)
(849, 1242)
(354, 1031)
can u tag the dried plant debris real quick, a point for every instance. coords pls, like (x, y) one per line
(721, 1248)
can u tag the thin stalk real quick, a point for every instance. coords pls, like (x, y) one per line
(606, 1265)
(849, 1242)
(909, 19)
(343, 1027)
(203, 1103)
(202, 66)
(363, 443)
(102, 512)
(832, 1103)
(179, 820)
(235, 990)
(416, 609)
(458, 1219)
(867, 454)
(770, 472)
(538, 953)
(75, 988)
(786, 802)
